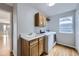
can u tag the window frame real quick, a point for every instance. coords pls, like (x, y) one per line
(68, 17)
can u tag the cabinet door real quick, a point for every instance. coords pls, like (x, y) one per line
(41, 45)
(34, 48)
(44, 21)
(25, 48)
(40, 20)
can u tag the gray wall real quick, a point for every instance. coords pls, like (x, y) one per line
(62, 38)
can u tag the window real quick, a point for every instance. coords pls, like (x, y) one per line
(66, 25)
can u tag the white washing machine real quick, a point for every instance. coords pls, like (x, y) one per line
(49, 41)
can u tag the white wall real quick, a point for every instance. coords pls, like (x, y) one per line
(77, 28)
(23, 23)
(15, 30)
(53, 25)
(25, 18)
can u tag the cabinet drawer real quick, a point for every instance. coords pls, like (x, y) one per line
(41, 38)
(24, 42)
(33, 42)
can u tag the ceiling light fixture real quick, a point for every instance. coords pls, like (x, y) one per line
(51, 4)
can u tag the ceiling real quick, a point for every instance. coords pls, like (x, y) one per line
(55, 9)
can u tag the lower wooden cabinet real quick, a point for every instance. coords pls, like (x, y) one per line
(41, 45)
(24, 48)
(32, 48)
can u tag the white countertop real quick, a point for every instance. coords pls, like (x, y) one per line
(32, 37)
(29, 38)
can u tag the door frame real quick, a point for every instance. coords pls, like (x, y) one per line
(8, 8)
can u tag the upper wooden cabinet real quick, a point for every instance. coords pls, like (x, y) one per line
(40, 20)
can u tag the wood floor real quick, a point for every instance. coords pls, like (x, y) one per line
(57, 50)
(60, 50)
(4, 45)
(5, 52)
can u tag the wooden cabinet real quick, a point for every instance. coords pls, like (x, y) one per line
(25, 47)
(41, 45)
(40, 20)
(32, 48)
(44, 21)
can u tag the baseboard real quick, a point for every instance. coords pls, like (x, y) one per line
(69, 46)
(14, 53)
(54, 44)
(65, 45)
(77, 50)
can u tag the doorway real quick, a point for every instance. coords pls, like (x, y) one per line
(5, 30)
